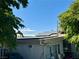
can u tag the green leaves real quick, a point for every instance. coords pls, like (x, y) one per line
(7, 25)
(9, 22)
(69, 21)
(13, 3)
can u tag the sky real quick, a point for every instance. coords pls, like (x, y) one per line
(41, 15)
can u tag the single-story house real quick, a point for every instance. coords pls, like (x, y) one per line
(41, 47)
(46, 46)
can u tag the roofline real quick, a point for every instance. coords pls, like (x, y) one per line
(39, 38)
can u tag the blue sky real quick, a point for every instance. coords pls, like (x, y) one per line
(41, 15)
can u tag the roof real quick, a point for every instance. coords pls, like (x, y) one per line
(37, 39)
(46, 33)
(42, 36)
(53, 35)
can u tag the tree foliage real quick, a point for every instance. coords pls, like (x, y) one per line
(9, 22)
(69, 22)
(14, 3)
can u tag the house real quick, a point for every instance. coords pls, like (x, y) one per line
(45, 46)
(41, 46)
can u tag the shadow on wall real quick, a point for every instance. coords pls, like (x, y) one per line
(14, 56)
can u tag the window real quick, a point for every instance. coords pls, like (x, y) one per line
(30, 46)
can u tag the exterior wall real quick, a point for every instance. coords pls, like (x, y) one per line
(61, 47)
(57, 41)
(39, 51)
(34, 52)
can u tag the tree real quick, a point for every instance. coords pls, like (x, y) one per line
(69, 22)
(9, 22)
(14, 3)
